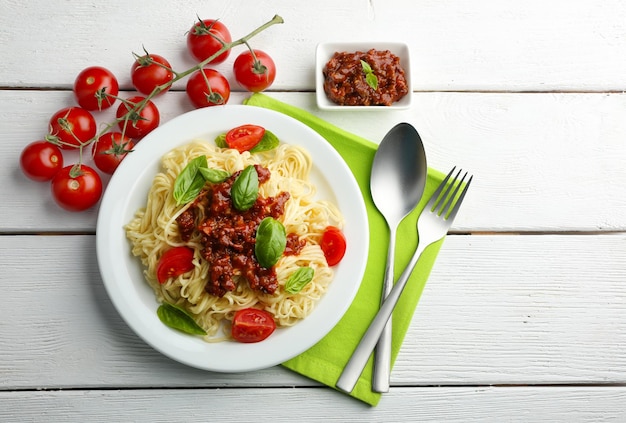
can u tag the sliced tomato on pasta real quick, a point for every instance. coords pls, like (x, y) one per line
(244, 137)
(174, 262)
(333, 245)
(252, 325)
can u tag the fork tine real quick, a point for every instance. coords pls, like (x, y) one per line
(457, 205)
(446, 198)
(434, 199)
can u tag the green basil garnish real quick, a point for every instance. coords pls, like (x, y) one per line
(299, 279)
(271, 240)
(190, 181)
(245, 189)
(214, 176)
(220, 141)
(178, 318)
(370, 77)
(268, 142)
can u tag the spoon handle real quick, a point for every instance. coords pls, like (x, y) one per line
(361, 354)
(382, 355)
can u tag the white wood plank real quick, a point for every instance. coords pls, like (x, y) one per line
(455, 45)
(496, 310)
(543, 162)
(462, 405)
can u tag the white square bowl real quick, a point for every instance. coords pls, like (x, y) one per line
(325, 52)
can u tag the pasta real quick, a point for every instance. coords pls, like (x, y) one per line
(154, 230)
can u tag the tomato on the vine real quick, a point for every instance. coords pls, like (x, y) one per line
(174, 262)
(206, 38)
(255, 72)
(252, 325)
(76, 187)
(149, 72)
(95, 88)
(333, 245)
(41, 160)
(244, 137)
(70, 127)
(208, 87)
(109, 150)
(137, 124)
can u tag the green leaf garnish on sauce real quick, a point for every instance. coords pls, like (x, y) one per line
(271, 240)
(190, 181)
(370, 77)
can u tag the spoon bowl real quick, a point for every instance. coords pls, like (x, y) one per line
(397, 183)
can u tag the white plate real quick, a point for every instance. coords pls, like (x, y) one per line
(325, 52)
(135, 300)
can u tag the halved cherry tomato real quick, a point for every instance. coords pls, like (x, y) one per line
(333, 245)
(252, 325)
(174, 262)
(244, 137)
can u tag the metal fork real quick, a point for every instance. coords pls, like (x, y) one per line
(432, 225)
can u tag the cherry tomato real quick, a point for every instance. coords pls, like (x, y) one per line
(76, 188)
(202, 45)
(41, 160)
(137, 124)
(252, 325)
(95, 88)
(109, 151)
(70, 127)
(149, 72)
(254, 75)
(244, 137)
(174, 262)
(208, 88)
(333, 245)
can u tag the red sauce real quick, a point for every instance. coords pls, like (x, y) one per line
(228, 235)
(345, 81)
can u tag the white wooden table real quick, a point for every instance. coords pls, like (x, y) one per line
(524, 316)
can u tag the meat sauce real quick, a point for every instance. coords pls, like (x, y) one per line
(345, 81)
(228, 235)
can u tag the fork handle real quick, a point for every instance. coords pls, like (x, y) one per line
(361, 354)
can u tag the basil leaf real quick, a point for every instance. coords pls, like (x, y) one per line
(299, 279)
(268, 142)
(220, 141)
(271, 239)
(178, 318)
(245, 189)
(189, 182)
(370, 77)
(214, 176)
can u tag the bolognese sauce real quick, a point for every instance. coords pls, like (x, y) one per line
(228, 235)
(345, 81)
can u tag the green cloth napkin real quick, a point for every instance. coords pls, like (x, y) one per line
(325, 361)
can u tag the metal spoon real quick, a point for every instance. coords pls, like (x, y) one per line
(397, 184)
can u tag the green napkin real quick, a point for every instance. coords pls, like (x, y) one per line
(325, 361)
